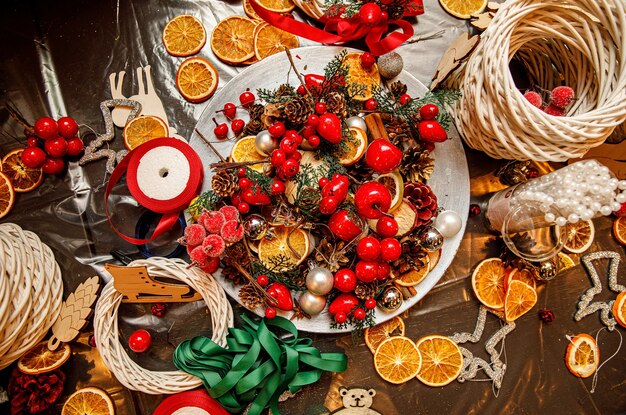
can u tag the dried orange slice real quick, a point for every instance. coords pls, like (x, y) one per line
(245, 150)
(619, 229)
(269, 40)
(520, 298)
(354, 149)
(142, 129)
(275, 250)
(357, 75)
(374, 336)
(278, 6)
(434, 258)
(23, 179)
(88, 401)
(395, 184)
(196, 79)
(397, 360)
(619, 309)
(247, 7)
(7, 195)
(463, 9)
(405, 215)
(582, 356)
(415, 276)
(579, 236)
(232, 39)
(184, 35)
(563, 262)
(442, 360)
(488, 283)
(522, 275)
(40, 359)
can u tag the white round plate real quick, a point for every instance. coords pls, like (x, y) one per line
(450, 180)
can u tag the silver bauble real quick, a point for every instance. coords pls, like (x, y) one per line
(265, 143)
(430, 239)
(448, 223)
(319, 281)
(357, 122)
(390, 300)
(390, 65)
(546, 270)
(312, 304)
(255, 226)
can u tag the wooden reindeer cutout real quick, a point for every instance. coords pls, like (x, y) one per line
(137, 286)
(150, 103)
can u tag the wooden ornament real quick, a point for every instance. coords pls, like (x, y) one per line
(74, 313)
(460, 50)
(137, 286)
(482, 20)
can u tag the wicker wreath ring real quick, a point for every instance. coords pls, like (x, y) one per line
(115, 358)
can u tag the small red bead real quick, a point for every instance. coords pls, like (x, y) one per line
(370, 304)
(263, 280)
(270, 312)
(474, 210)
(243, 208)
(139, 341)
(359, 314)
(320, 108)
(341, 318)
(371, 104)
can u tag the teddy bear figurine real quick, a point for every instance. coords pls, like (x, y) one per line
(356, 401)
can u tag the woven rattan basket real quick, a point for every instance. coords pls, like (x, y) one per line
(580, 43)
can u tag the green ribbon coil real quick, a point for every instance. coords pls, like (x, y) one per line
(258, 365)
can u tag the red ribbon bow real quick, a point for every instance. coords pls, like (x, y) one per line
(346, 28)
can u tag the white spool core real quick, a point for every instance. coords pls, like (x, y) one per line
(163, 173)
(190, 410)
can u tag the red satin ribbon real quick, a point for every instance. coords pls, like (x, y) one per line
(347, 29)
(170, 209)
(197, 398)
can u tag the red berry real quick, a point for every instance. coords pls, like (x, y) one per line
(370, 303)
(277, 129)
(213, 246)
(244, 183)
(301, 90)
(296, 156)
(270, 312)
(232, 231)
(562, 96)
(237, 125)
(92, 341)
(314, 141)
(428, 146)
(429, 112)
(341, 317)
(212, 221)
(75, 146)
(198, 257)
(532, 173)
(328, 205)
(371, 104)
(212, 265)
(46, 127)
(366, 271)
(53, 166)
(243, 208)
(308, 131)
(622, 211)
(32, 142)
(359, 314)
(323, 181)
(368, 249)
(56, 147)
(229, 212)
(194, 234)
(246, 99)
(263, 280)
(404, 99)
(370, 14)
(158, 310)
(345, 280)
(320, 108)
(230, 110)
(290, 167)
(367, 60)
(534, 98)
(242, 172)
(387, 227)
(33, 157)
(313, 120)
(384, 269)
(336, 176)
(288, 145)
(554, 111)
(278, 157)
(221, 131)
(432, 131)
(67, 127)
(474, 210)
(293, 135)
(390, 249)
(139, 341)
(278, 187)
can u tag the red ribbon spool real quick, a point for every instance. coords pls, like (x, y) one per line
(158, 196)
(187, 402)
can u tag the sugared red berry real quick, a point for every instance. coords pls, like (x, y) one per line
(370, 303)
(56, 147)
(232, 231)
(270, 312)
(213, 246)
(230, 110)
(53, 165)
(534, 98)
(46, 127)
(554, 111)
(371, 104)
(562, 96)
(33, 157)
(263, 280)
(367, 60)
(212, 221)
(198, 257)
(194, 234)
(67, 127)
(229, 212)
(75, 146)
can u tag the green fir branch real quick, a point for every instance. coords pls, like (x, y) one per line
(275, 273)
(259, 180)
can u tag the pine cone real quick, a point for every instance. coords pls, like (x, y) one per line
(395, 11)
(298, 109)
(361, 171)
(285, 90)
(255, 111)
(224, 183)
(333, 256)
(424, 200)
(364, 291)
(253, 127)
(271, 114)
(238, 253)
(233, 275)
(413, 258)
(417, 165)
(398, 88)
(336, 104)
(309, 199)
(398, 130)
(250, 297)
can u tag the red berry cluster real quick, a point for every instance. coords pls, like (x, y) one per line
(559, 99)
(286, 158)
(230, 111)
(206, 240)
(53, 140)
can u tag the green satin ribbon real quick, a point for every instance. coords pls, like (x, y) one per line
(257, 366)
